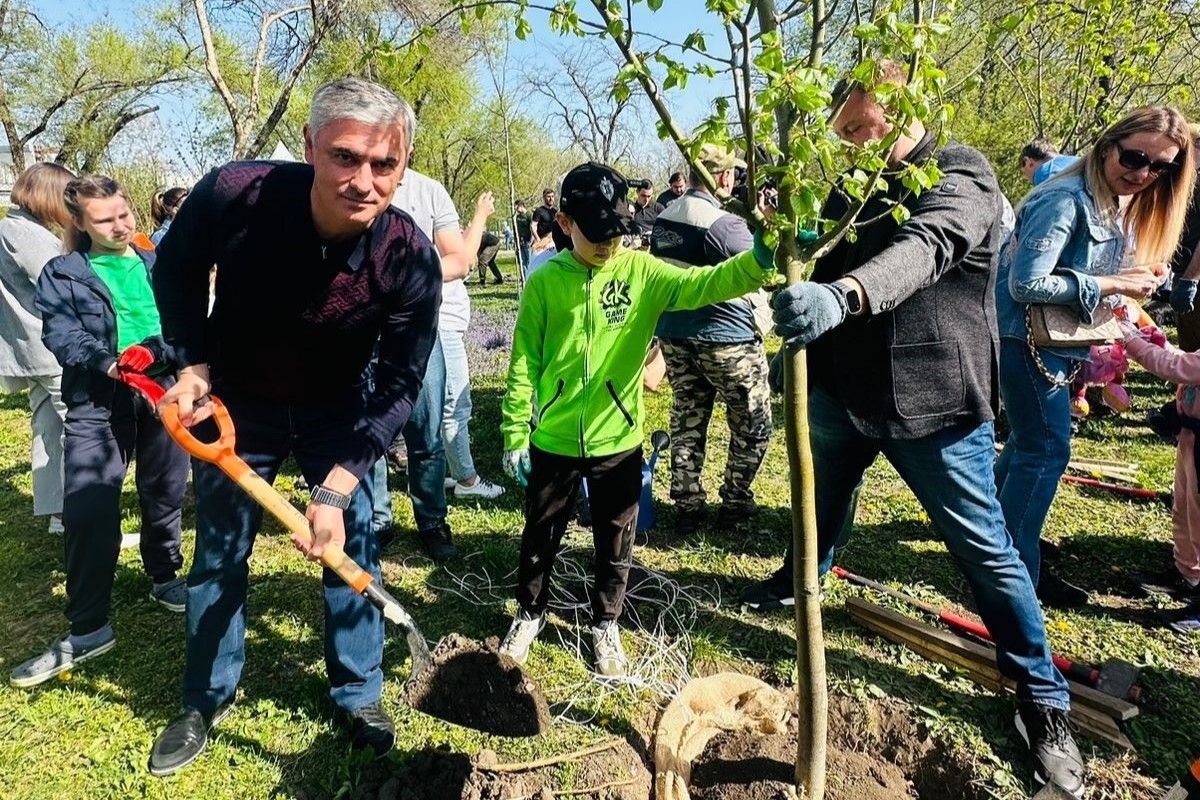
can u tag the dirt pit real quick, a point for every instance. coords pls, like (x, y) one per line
(473, 685)
(877, 751)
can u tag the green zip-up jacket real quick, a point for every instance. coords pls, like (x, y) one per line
(581, 339)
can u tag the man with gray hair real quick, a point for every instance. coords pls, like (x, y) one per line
(314, 267)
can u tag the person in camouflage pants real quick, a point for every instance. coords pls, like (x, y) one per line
(711, 352)
(700, 373)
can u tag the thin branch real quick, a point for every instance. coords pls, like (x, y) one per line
(214, 73)
(260, 55)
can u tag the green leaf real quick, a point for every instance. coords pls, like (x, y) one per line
(900, 214)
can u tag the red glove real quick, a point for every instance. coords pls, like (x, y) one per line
(135, 358)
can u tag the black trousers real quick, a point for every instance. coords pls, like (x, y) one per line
(97, 448)
(614, 489)
(486, 261)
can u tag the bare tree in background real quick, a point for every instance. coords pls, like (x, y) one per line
(78, 97)
(578, 93)
(256, 86)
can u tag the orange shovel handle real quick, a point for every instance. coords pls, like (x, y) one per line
(222, 453)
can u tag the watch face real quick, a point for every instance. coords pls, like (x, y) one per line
(853, 303)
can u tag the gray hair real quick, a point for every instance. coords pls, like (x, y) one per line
(363, 101)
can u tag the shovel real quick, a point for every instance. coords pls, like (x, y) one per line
(221, 453)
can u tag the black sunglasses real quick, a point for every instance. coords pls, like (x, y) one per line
(1136, 159)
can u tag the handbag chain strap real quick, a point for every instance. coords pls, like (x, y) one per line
(1035, 351)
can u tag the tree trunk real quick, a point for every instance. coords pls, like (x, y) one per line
(811, 690)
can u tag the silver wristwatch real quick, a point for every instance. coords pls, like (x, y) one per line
(328, 497)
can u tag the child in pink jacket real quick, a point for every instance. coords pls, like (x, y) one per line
(1183, 580)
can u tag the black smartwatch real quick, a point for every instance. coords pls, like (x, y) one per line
(854, 305)
(328, 497)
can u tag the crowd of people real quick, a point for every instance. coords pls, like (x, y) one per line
(915, 330)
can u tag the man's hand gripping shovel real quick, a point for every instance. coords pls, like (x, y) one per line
(222, 453)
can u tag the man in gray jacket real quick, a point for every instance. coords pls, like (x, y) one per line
(900, 326)
(711, 352)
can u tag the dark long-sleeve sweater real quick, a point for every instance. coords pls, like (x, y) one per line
(295, 318)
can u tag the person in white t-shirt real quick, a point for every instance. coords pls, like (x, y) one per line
(437, 436)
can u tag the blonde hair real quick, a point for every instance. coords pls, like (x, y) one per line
(39, 191)
(87, 187)
(1154, 216)
(165, 204)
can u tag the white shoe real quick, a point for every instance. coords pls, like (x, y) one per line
(129, 540)
(451, 483)
(55, 525)
(524, 629)
(610, 655)
(481, 489)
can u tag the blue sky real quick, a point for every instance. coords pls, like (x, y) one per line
(674, 22)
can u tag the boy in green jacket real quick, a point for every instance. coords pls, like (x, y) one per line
(584, 325)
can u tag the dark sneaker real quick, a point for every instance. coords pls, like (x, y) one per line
(1053, 591)
(386, 535)
(770, 595)
(438, 543)
(730, 518)
(171, 595)
(1185, 620)
(1050, 551)
(1169, 582)
(688, 520)
(59, 658)
(369, 727)
(183, 740)
(1049, 734)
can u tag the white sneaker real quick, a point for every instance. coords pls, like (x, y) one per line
(451, 483)
(55, 525)
(129, 540)
(481, 489)
(610, 655)
(524, 629)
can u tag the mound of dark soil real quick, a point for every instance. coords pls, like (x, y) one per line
(877, 751)
(473, 685)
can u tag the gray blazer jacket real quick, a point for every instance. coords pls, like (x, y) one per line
(25, 247)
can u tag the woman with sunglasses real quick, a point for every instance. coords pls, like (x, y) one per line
(1069, 248)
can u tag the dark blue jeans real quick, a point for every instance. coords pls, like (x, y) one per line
(227, 521)
(951, 474)
(99, 444)
(427, 466)
(1038, 448)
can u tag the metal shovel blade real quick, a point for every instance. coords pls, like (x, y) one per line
(396, 614)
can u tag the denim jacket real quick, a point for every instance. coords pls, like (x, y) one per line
(1059, 245)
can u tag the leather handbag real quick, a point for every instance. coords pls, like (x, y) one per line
(1059, 326)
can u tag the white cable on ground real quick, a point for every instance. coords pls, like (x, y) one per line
(659, 616)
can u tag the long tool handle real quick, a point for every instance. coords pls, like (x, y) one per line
(222, 454)
(1081, 673)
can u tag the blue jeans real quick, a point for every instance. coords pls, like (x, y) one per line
(526, 255)
(227, 520)
(1038, 447)
(950, 472)
(426, 455)
(457, 413)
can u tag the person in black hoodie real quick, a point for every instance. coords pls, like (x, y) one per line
(99, 319)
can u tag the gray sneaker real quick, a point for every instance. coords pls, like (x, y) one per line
(171, 595)
(609, 654)
(524, 629)
(60, 658)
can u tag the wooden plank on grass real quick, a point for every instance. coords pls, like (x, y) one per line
(950, 648)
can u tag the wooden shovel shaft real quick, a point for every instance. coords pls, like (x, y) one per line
(265, 495)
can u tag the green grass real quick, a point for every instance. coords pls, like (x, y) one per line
(90, 738)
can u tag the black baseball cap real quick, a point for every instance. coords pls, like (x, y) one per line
(594, 196)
